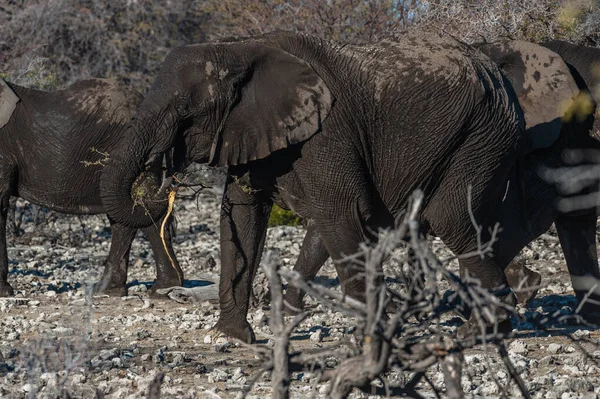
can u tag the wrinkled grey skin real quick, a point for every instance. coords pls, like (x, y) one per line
(330, 132)
(46, 139)
(584, 64)
(546, 88)
(552, 95)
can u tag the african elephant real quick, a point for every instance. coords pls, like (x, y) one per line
(340, 134)
(546, 90)
(46, 158)
(584, 64)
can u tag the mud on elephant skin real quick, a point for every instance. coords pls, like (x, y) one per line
(329, 131)
(558, 114)
(54, 147)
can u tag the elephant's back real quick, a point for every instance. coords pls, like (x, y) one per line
(70, 134)
(584, 63)
(424, 61)
(105, 99)
(456, 109)
(585, 60)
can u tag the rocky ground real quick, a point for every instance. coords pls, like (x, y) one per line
(55, 336)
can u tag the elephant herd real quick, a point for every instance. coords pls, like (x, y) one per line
(340, 134)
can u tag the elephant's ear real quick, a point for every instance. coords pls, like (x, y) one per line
(280, 101)
(8, 102)
(547, 92)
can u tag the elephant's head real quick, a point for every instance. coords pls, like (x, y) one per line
(225, 104)
(547, 92)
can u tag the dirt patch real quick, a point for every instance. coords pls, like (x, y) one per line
(53, 336)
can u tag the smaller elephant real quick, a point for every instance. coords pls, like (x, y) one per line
(546, 86)
(45, 158)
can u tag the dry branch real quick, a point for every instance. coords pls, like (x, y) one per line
(397, 341)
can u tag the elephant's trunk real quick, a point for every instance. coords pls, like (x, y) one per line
(134, 188)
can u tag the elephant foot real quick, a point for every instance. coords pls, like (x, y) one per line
(234, 329)
(524, 282)
(590, 309)
(293, 301)
(6, 290)
(111, 290)
(107, 287)
(471, 329)
(502, 325)
(161, 284)
(111, 284)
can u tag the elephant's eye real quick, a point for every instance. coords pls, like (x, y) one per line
(182, 107)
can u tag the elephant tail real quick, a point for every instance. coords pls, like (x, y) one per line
(522, 198)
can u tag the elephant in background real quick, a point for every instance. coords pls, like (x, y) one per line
(46, 139)
(559, 115)
(341, 134)
(584, 64)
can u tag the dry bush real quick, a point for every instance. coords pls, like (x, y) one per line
(411, 340)
(535, 20)
(351, 21)
(60, 41)
(123, 39)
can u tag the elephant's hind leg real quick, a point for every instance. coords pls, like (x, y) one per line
(168, 271)
(114, 278)
(463, 213)
(313, 255)
(344, 220)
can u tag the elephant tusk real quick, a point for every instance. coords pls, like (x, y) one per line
(172, 196)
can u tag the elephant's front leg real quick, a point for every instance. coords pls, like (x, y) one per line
(244, 217)
(114, 277)
(313, 255)
(577, 234)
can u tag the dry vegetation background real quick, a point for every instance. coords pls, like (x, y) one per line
(51, 43)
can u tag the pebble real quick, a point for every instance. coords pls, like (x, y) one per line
(519, 347)
(146, 357)
(63, 330)
(178, 360)
(554, 348)
(579, 334)
(28, 388)
(13, 336)
(217, 375)
(316, 336)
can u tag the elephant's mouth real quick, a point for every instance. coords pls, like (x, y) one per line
(154, 183)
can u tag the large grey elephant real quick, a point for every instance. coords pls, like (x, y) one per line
(340, 134)
(559, 115)
(53, 148)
